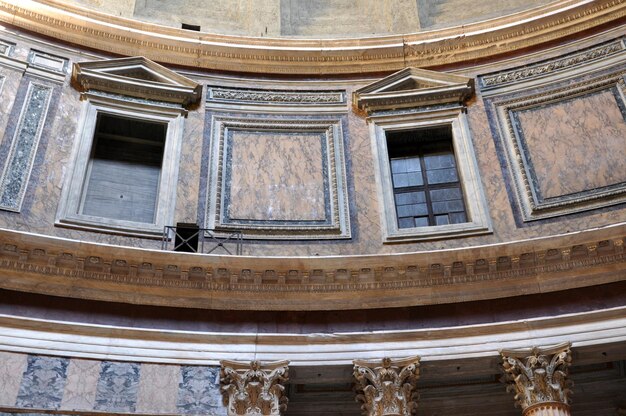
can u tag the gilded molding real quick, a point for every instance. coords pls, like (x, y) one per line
(87, 270)
(538, 376)
(387, 387)
(254, 389)
(297, 56)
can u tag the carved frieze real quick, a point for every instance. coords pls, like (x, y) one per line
(551, 66)
(538, 376)
(474, 41)
(387, 387)
(252, 96)
(254, 389)
(87, 270)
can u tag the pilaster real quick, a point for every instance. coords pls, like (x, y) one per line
(254, 389)
(387, 387)
(539, 379)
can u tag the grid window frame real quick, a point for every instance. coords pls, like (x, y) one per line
(476, 209)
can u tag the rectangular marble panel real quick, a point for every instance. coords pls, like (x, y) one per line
(442, 13)
(117, 387)
(12, 368)
(80, 388)
(347, 17)
(575, 145)
(24, 146)
(290, 187)
(199, 391)
(158, 388)
(43, 382)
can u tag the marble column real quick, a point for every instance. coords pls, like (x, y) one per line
(539, 377)
(254, 389)
(387, 387)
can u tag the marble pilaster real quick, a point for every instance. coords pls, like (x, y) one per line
(387, 387)
(539, 377)
(254, 389)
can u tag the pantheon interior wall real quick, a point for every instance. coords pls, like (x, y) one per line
(281, 119)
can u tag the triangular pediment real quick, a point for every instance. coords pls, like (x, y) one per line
(136, 77)
(413, 87)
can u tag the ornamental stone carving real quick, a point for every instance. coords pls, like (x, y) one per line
(539, 378)
(387, 387)
(254, 389)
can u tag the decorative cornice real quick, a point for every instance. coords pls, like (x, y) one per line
(413, 87)
(466, 43)
(62, 267)
(387, 387)
(552, 65)
(136, 77)
(538, 376)
(254, 389)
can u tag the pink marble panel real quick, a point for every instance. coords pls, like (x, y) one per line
(80, 387)
(277, 176)
(12, 367)
(577, 144)
(158, 388)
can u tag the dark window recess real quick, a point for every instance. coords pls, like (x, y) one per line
(124, 171)
(425, 180)
(186, 239)
(191, 27)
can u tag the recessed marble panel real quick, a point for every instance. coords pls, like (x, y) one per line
(117, 387)
(24, 146)
(277, 176)
(43, 382)
(199, 391)
(575, 145)
(80, 388)
(565, 147)
(12, 367)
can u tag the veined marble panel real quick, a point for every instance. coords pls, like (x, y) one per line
(24, 146)
(117, 387)
(12, 367)
(199, 391)
(565, 147)
(81, 384)
(277, 177)
(158, 388)
(575, 145)
(43, 382)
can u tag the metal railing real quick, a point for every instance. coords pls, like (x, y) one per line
(194, 240)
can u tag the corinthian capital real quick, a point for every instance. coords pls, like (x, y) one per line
(254, 389)
(538, 376)
(387, 387)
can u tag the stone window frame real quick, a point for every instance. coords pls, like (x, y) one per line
(94, 104)
(479, 221)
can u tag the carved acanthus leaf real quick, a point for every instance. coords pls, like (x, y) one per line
(387, 387)
(538, 375)
(252, 389)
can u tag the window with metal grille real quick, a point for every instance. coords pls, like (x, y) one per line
(425, 180)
